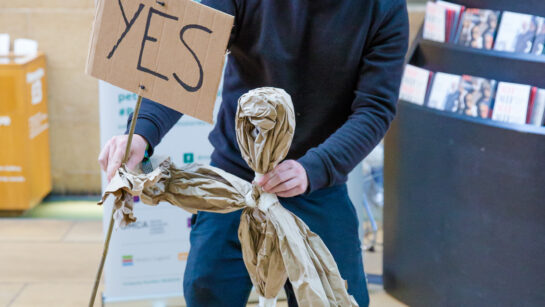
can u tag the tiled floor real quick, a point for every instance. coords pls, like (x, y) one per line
(48, 262)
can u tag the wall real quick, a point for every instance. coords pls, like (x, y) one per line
(416, 18)
(62, 28)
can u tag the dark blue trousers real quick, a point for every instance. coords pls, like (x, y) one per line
(215, 275)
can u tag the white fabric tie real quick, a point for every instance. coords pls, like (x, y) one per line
(266, 200)
(267, 302)
(258, 176)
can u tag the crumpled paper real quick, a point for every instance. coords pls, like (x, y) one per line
(276, 244)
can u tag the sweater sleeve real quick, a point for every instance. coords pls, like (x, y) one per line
(155, 120)
(373, 107)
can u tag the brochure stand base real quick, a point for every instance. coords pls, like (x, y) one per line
(464, 211)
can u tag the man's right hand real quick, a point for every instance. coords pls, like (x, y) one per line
(112, 154)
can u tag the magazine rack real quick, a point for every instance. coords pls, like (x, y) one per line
(464, 214)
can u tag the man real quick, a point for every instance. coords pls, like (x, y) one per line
(341, 61)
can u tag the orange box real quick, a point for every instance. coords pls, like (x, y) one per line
(25, 164)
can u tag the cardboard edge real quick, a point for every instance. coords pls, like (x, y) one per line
(227, 19)
(92, 40)
(230, 21)
(217, 85)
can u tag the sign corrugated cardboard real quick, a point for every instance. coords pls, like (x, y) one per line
(175, 51)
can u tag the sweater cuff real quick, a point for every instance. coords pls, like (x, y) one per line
(316, 171)
(148, 130)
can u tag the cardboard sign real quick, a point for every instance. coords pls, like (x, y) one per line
(169, 51)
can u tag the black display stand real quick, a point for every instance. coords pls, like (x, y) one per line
(464, 214)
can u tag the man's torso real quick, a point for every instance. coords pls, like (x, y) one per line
(311, 49)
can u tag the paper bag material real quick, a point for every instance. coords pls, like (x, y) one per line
(276, 244)
(175, 51)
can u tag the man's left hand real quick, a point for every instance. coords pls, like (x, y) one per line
(287, 179)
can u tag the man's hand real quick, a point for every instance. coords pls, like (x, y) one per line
(287, 179)
(112, 154)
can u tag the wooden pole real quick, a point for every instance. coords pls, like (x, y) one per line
(111, 225)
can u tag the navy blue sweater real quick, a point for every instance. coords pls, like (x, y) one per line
(340, 60)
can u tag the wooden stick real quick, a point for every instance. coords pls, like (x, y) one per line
(111, 225)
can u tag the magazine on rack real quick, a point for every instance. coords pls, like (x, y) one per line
(414, 84)
(478, 96)
(478, 28)
(445, 92)
(516, 33)
(511, 103)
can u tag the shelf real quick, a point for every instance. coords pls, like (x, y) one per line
(533, 7)
(527, 129)
(498, 65)
(464, 195)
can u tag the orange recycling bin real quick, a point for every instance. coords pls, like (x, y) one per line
(25, 164)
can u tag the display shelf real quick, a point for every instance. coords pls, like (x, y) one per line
(520, 128)
(533, 7)
(463, 213)
(498, 65)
